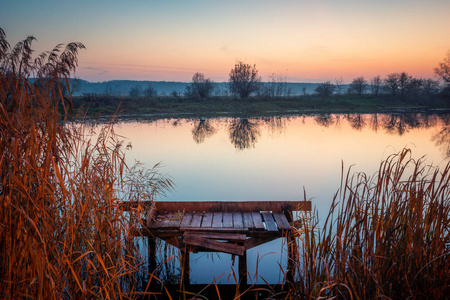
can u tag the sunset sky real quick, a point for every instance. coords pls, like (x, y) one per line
(305, 41)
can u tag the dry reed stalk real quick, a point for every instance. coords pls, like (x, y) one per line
(386, 236)
(62, 233)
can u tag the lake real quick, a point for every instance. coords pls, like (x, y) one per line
(275, 158)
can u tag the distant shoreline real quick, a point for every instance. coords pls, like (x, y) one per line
(178, 107)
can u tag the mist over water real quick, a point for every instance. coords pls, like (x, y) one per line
(276, 158)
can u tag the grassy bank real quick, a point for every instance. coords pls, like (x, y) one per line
(96, 105)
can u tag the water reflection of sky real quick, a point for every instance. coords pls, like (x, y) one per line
(274, 159)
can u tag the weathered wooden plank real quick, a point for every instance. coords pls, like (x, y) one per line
(281, 220)
(214, 229)
(225, 236)
(214, 245)
(224, 206)
(197, 220)
(238, 222)
(217, 220)
(227, 220)
(207, 219)
(168, 223)
(257, 221)
(270, 222)
(186, 220)
(248, 220)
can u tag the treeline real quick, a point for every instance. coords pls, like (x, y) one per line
(244, 82)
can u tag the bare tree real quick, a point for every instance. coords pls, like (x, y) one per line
(244, 79)
(444, 69)
(325, 89)
(430, 87)
(358, 85)
(136, 91)
(391, 83)
(404, 80)
(339, 82)
(150, 91)
(201, 86)
(375, 85)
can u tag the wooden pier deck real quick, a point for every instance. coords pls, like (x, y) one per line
(230, 227)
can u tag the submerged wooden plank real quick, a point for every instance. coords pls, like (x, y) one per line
(207, 219)
(257, 221)
(270, 222)
(227, 220)
(237, 220)
(225, 236)
(187, 219)
(214, 245)
(248, 220)
(281, 220)
(225, 206)
(217, 220)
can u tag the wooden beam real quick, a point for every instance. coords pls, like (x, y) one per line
(213, 245)
(270, 222)
(233, 237)
(229, 206)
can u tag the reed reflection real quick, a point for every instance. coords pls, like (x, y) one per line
(244, 133)
(203, 130)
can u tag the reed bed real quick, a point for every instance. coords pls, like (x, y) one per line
(386, 236)
(62, 232)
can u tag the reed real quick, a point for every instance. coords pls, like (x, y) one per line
(62, 232)
(386, 236)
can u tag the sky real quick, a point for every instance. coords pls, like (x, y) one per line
(301, 41)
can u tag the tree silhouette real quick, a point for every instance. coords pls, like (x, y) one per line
(325, 89)
(201, 86)
(443, 70)
(244, 80)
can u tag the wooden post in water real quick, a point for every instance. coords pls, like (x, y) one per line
(243, 271)
(185, 267)
(151, 254)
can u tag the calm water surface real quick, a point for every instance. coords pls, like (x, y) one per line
(275, 159)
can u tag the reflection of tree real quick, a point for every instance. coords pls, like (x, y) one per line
(276, 124)
(325, 120)
(244, 133)
(356, 121)
(374, 124)
(402, 123)
(203, 130)
(442, 140)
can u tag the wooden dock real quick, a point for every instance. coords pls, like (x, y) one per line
(229, 227)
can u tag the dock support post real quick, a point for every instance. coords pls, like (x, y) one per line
(243, 271)
(185, 267)
(151, 254)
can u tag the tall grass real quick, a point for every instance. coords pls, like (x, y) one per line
(386, 236)
(62, 232)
